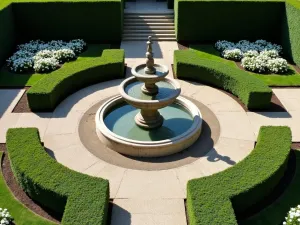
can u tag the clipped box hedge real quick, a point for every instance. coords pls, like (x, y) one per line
(199, 20)
(68, 19)
(254, 93)
(47, 93)
(291, 31)
(82, 199)
(7, 32)
(215, 199)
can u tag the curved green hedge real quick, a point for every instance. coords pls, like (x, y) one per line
(82, 199)
(291, 31)
(215, 199)
(254, 93)
(47, 93)
(278, 210)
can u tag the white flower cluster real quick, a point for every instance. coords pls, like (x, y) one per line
(44, 56)
(293, 217)
(259, 56)
(5, 217)
(233, 54)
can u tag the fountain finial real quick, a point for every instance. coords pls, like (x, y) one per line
(149, 69)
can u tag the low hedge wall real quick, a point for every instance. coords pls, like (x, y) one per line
(291, 31)
(254, 93)
(7, 32)
(82, 199)
(68, 19)
(47, 93)
(215, 199)
(199, 20)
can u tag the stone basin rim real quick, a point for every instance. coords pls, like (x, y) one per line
(167, 100)
(134, 72)
(188, 105)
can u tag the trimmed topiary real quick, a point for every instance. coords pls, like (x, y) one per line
(215, 199)
(254, 93)
(47, 93)
(82, 199)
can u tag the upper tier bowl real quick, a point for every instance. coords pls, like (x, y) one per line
(150, 104)
(161, 72)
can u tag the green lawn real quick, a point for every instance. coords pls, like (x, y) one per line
(9, 79)
(290, 79)
(275, 213)
(21, 214)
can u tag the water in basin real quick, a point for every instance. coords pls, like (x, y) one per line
(165, 89)
(120, 120)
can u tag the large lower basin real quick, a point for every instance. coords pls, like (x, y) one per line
(116, 128)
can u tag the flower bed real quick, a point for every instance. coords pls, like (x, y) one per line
(44, 57)
(5, 217)
(254, 93)
(259, 56)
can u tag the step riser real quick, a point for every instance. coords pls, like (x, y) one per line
(146, 36)
(137, 27)
(153, 39)
(149, 31)
(149, 17)
(149, 20)
(148, 27)
(149, 24)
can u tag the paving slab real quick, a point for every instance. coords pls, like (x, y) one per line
(140, 212)
(38, 120)
(115, 176)
(235, 125)
(6, 122)
(290, 119)
(75, 157)
(9, 99)
(150, 185)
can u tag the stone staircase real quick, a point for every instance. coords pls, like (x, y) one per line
(138, 26)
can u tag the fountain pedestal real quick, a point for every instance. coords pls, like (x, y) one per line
(149, 119)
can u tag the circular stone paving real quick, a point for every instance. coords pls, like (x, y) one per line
(226, 139)
(209, 136)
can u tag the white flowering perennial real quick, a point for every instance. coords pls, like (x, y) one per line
(260, 56)
(233, 54)
(43, 57)
(293, 217)
(5, 217)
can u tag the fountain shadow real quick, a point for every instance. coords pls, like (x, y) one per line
(214, 156)
(119, 215)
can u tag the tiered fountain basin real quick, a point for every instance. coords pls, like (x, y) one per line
(117, 129)
(148, 119)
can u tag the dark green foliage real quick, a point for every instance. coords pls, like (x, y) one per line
(215, 199)
(82, 199)
(170, 4)
(198, 21)
(254, 93)
(291, 31)
(93, 21)
(7, 33)
(47, 93)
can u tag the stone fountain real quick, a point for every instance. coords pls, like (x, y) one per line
(132, 122)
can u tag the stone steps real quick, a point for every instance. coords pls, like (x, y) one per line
(138, 26)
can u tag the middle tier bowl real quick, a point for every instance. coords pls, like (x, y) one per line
(130, 90)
